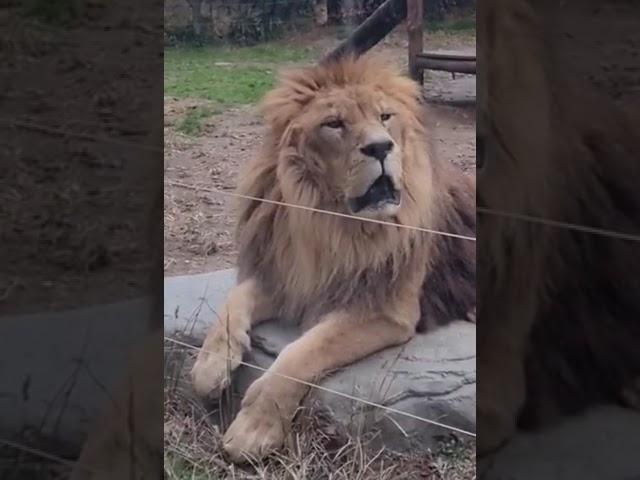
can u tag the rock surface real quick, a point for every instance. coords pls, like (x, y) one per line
(57, 366)
(432, 377)
(600, 445)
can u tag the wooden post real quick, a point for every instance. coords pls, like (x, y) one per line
(372, 30)
(414, 31)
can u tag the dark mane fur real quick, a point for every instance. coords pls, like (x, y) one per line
(449, 290)
(315, 263)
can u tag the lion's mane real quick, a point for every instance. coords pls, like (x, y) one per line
(313, 263)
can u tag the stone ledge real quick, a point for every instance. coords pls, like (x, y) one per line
(433, 376)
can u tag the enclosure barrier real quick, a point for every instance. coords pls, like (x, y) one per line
(383, 20)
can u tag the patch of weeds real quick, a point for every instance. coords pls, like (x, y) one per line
(226, 75)
(180, 467)
(265, 53)
(451, 33)
(192, 123)
(455, 458)
(453, 448)
(454, 25)
(227, 85)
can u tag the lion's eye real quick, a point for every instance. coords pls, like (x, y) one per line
(385, 116)
(337, 123)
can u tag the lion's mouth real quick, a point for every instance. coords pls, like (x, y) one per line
(380, 193)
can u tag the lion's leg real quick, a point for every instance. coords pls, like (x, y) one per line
(271, 402)
(631, 394)
(501, 394)
(502, 386)
(228, 339)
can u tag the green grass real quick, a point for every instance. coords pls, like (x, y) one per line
(180, 468)
(227, 75)
(465, 24)
(191, 123)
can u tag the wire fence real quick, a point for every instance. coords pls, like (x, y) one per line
(63, 132)
(37, 452)
(325, 389)
(68, 133)
(317, 210)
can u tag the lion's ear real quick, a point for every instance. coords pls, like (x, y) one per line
(277, 110)
(295, 89)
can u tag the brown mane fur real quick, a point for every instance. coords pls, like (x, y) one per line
(319, 261)
(565, 300)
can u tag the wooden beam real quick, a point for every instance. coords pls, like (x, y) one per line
(448, 56)
(454, 66)
(414, 32)
(380, 23)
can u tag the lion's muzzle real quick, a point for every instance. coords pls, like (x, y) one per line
(380, 194)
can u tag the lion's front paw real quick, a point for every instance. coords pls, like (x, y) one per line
(261, 425)
(498, 404)
(494, 430)
(219, 357)
(254, 434)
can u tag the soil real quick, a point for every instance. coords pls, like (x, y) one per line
(73, 146)
(199, 225)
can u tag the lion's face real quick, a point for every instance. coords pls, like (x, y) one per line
(341, 133)
(355, 133)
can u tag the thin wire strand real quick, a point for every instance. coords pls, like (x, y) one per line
(328, 390)
(64, 132)
(86, 136)
(560, 224)
(317, 210)
(527, 218)
(37, 452)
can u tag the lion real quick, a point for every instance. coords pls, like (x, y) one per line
(351, 137)
(558, 308)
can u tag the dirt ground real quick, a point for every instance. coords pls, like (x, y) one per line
(73, 143)
(199, 225)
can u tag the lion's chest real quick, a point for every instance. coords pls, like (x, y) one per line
(303, 299)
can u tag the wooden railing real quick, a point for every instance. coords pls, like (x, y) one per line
(383, 20)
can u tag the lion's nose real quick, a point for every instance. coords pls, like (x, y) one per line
(377, 150)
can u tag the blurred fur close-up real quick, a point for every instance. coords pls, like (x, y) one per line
(558, 213)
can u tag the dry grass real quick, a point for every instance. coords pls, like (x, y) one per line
(66, 225)
(316, 448)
